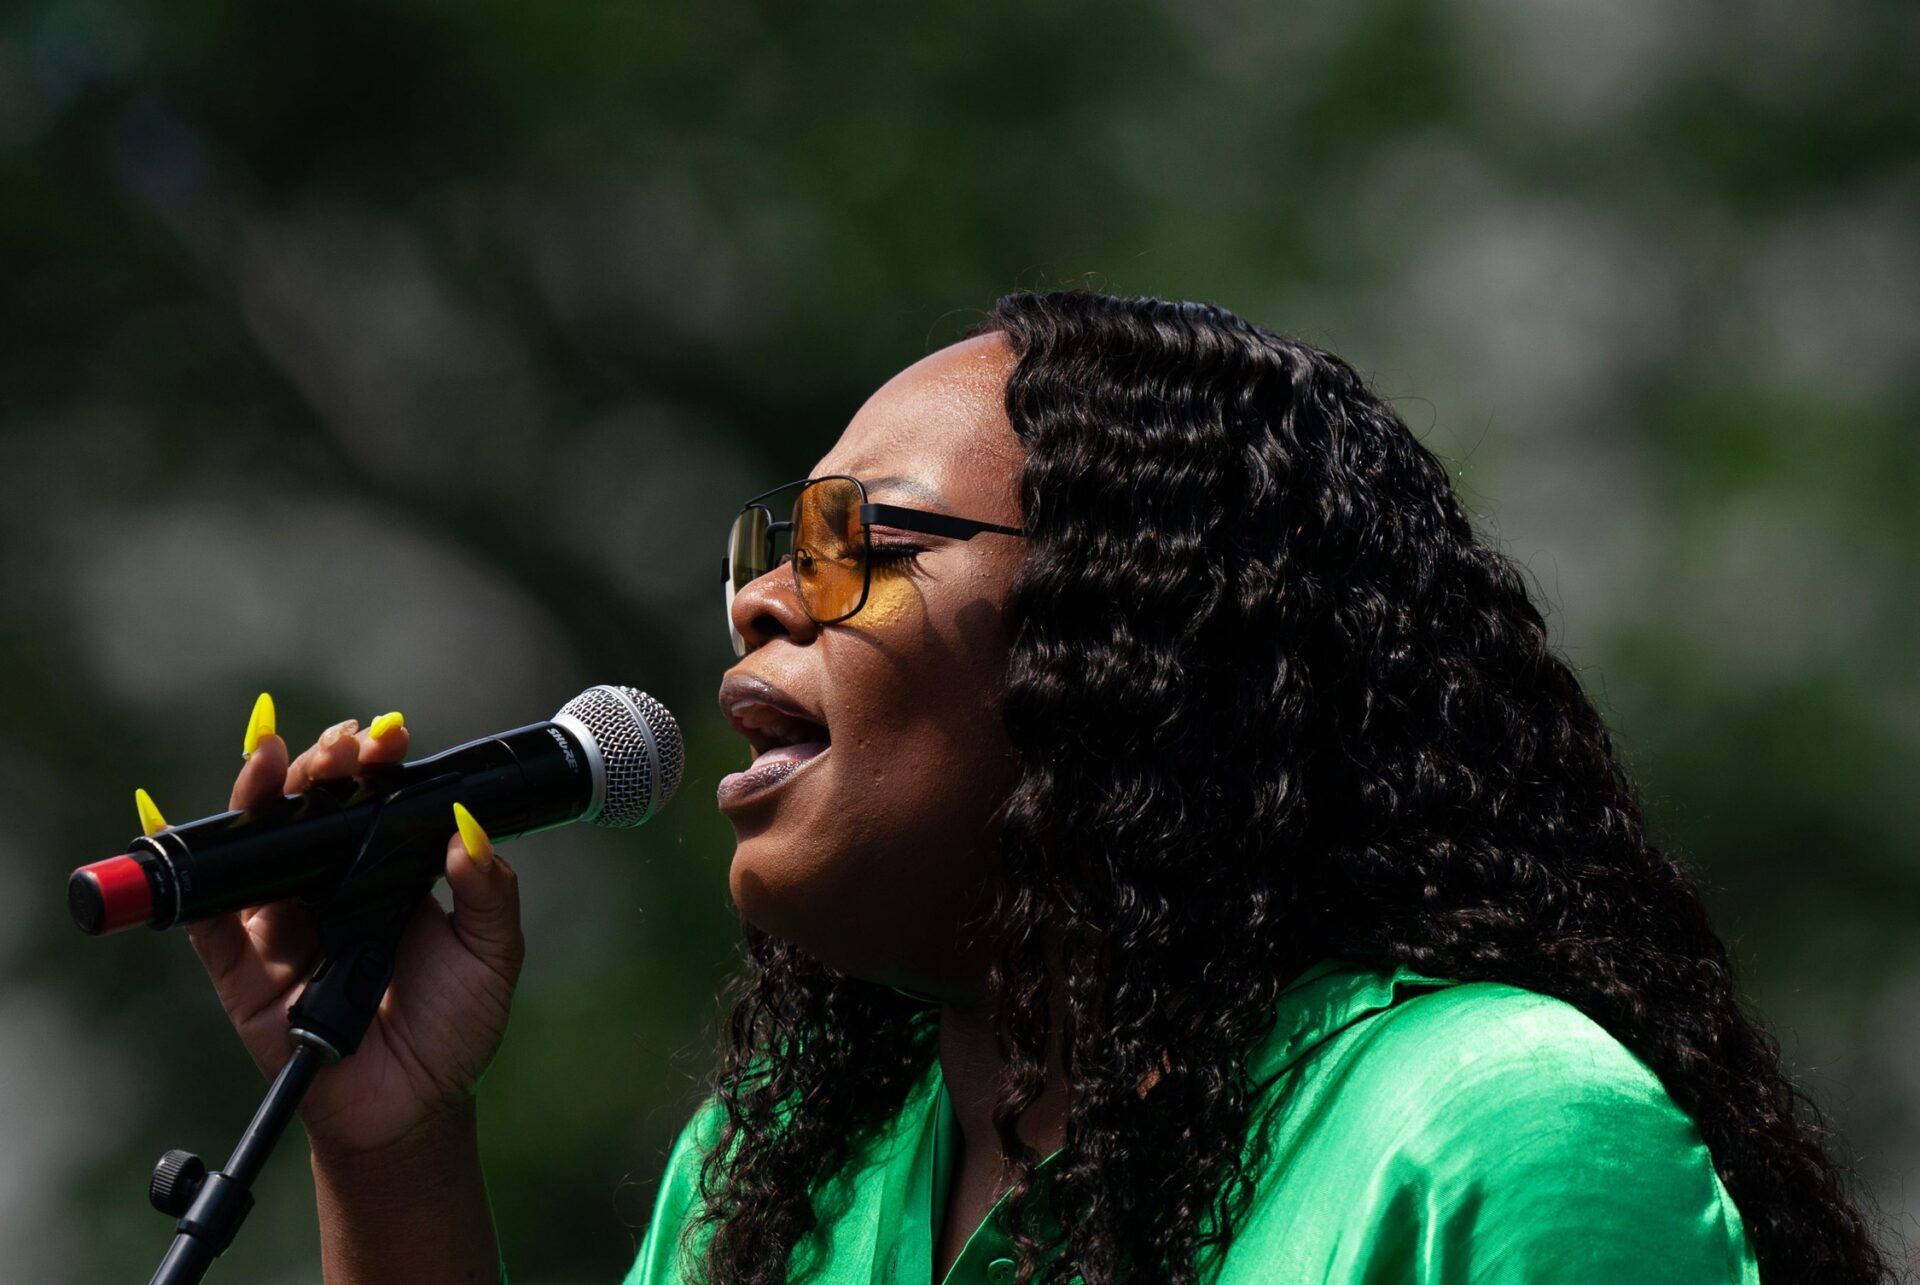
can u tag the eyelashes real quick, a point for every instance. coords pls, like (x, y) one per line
(896, 560)
(887, 559)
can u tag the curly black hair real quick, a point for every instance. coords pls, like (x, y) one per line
(1272, 700)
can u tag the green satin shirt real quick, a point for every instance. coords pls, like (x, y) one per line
(1429, 1131)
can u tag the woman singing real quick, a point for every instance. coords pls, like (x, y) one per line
(1170, 853)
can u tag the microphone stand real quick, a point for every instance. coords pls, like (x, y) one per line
(360, 923)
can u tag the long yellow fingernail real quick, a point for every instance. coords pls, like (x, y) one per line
(479, 847)
(151, 822)
(379, 727)
(259, 724)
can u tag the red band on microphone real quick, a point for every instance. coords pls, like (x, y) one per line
(125, 897)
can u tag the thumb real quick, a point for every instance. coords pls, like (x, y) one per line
(486, 898)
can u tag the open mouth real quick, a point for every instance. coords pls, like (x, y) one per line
(784, 735)
(779, 738)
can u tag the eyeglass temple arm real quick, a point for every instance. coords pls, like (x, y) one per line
(930, 523)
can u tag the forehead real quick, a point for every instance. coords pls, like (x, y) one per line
(942, 422)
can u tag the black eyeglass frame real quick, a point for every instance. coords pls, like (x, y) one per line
(870, 514)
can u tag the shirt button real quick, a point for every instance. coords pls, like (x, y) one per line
(1000, 1271)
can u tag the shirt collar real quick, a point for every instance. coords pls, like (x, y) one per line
(1324, 1000)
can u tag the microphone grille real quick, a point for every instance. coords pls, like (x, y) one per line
(640, 746)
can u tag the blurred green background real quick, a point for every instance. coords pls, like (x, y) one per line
(415, 355)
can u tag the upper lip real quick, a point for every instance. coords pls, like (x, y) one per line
(767, 716)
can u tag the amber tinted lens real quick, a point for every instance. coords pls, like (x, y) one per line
(749, 556)
(830, 549)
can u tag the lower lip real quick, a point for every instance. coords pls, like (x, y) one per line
(769, 772)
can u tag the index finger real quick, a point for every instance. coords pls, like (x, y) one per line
(261, 778)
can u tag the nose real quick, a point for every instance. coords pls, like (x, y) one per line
(769, 607)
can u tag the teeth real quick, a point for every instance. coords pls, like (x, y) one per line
(769, 729)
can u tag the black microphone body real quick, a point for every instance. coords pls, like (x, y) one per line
(303, 845)
(612, 755)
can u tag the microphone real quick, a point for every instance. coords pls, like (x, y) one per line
(612, 756)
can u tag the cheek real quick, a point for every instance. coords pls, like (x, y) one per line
(892, 603)
(927, 754)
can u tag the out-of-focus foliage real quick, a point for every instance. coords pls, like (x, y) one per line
(415, 356)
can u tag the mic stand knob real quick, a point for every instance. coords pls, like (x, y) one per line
(176, 1181)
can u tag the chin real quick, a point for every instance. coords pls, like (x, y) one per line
(775, 898)
(756, 900)
(804, 906)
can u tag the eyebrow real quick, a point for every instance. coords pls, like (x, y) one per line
(907, 485)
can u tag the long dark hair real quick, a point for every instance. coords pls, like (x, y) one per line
(1273, 700)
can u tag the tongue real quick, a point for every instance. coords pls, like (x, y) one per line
(790, 753)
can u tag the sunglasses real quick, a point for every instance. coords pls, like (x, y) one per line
(831, 545)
